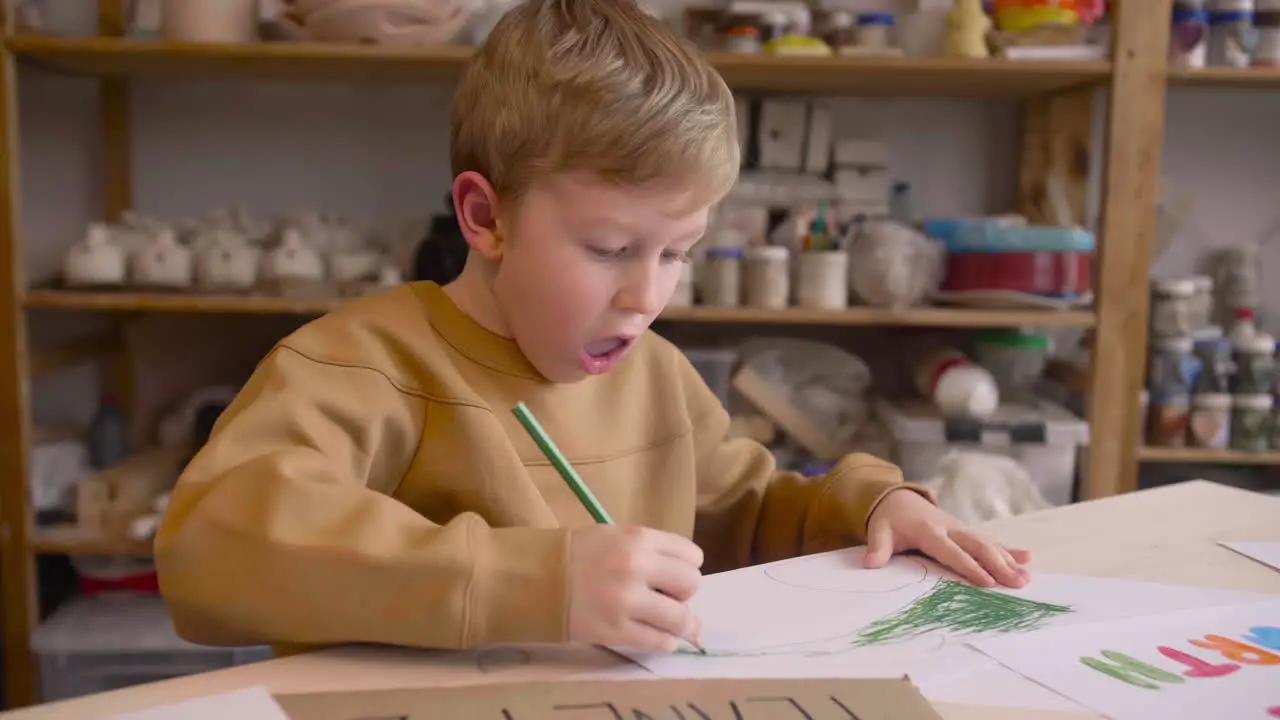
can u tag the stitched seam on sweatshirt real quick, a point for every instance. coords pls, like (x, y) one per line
(678, 435)
(468, 589)
(399, 386)
(477, 359)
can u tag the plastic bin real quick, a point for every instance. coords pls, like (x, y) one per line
(106, 642)
(1044, 437)
(716, 366)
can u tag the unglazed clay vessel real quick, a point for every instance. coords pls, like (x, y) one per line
(227, 262)
(95, 260)
(345, 267)
(164, 263)
(292, 259)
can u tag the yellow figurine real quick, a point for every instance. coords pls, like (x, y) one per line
(967, 28)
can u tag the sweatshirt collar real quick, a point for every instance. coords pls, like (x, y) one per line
(469, 338)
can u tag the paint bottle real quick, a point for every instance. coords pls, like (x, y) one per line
(1168, 419)
(722, 280)
(1210, 422)
(958, 386)
(1251, 422)
(108, 434)
(768, 277)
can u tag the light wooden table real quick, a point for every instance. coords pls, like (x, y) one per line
(1166, 535)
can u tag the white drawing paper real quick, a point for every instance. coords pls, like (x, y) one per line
(1267, 553)
(1219, 662)
(252, 703)
(999, 687)
(825, 615)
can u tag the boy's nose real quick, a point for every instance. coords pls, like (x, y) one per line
(642, 296)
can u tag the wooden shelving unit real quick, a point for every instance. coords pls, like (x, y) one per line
(1226, 78)
(1057, 101)
(269, 305)
(71, 540)
(1207, 457)
(1259, 79)
(307, 62)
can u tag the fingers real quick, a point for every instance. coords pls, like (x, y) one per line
(1020, 556)
(676, 546)
(879, 544)
(942, 548)
(991, 557)
(669, 617)
(679, 580)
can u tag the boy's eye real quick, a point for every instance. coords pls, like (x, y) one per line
(675, 256)
(609, 253)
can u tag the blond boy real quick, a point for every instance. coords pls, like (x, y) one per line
(370, 483)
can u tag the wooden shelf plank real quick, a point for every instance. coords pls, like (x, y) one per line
(908, 76)
(1206, 456)
(907, 317)
(335, 62)
(1226, 78)
(178, 302)
(72, 540)
(268, 305)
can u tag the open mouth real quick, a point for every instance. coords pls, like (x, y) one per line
(600, 355)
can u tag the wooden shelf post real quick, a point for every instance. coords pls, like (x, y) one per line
(17, 564)
(1131, 173)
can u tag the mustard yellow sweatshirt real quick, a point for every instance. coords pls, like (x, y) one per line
(370, 484)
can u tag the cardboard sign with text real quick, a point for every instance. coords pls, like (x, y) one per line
(835, 699)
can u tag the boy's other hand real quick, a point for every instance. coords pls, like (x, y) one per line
(630, 586)
(906, 521)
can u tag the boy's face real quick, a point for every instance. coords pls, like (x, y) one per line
(582, 268)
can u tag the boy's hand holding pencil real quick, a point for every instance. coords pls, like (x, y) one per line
(628, 586)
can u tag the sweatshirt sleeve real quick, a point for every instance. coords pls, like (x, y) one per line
(282, 529)
(750, 511)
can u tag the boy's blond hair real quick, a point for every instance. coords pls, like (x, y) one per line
(597, 86)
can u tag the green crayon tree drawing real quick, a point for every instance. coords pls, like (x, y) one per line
(949, 607)
(959, 608)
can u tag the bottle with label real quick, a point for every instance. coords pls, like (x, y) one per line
(1242, 328)
(958, 386)
(1215, 365)
(108, 434)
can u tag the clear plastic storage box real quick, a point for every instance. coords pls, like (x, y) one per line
(716, 366)
(106, 642)
(1045, 438)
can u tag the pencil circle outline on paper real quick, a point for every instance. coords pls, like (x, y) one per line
(500, 658)
(899, 574)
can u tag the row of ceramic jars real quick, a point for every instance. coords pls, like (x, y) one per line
(226, 261)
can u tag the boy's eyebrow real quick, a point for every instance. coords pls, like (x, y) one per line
(639, 229)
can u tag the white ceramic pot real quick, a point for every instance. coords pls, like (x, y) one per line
(164, 263)
(355, 266)
(97, 259)
(293, 259)
(209, 21)
(227, 262)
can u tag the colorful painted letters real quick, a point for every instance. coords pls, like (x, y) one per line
(1140, 674)
(1130, 670)
(1237, 651)
(1197, 668)
(1267, 637)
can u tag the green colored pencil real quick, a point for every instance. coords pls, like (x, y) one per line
(561, 464)
(567, 472)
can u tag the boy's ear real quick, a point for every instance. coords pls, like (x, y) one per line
(476, 205)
